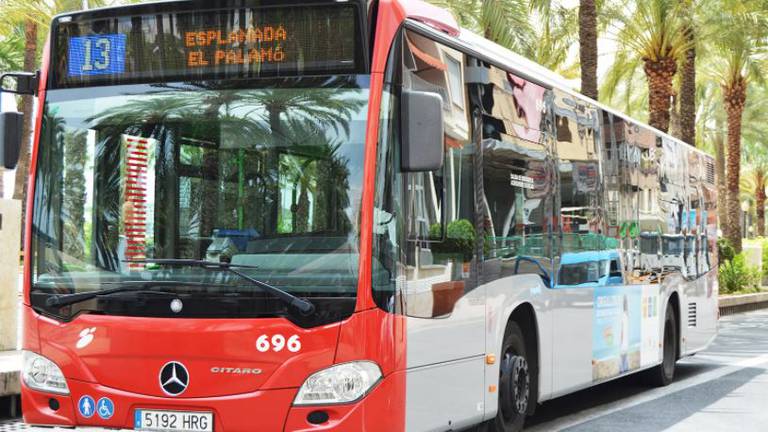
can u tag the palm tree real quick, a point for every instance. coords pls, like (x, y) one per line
(255, 116)
(654, 34)
(588, 47)
(502, 21)
(702, 24)
(741, 48)
(710, 134)
(550, 40)
(35, 16)
(27, 107)
(536, 29)
(74, 184)
(753, 186)
(625, 86)
(11, 58)
(592, 18)
(755, 154)
(11, 47)
(688, 77)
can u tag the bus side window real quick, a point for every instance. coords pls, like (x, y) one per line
(517, 179)
(642, 204)
(586, 250)
(439, 205)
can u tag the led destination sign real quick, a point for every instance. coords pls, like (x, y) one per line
(253, 46)
(233, 43)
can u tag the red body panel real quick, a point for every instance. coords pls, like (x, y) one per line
(116, 350)
(124, 358)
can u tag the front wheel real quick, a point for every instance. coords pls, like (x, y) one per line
(514, 383)
(664, 373)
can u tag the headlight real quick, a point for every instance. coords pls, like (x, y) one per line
(342, 383)
(41, 374)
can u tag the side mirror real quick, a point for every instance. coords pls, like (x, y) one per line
(10, 138)
(22, 83)
(422, 131)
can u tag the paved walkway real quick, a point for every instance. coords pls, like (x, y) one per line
(10, 365)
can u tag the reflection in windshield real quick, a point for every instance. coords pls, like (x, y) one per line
(268, 177)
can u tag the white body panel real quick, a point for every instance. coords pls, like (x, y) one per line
(572, 311)
(448, 379)
(445, 385)
(444, 392)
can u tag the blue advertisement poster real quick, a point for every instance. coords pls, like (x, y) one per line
(616, 331)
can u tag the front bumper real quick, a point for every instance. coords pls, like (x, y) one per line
(266, 411)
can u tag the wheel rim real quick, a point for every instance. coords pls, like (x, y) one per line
(514, 383)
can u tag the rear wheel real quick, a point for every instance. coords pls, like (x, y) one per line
(664, 373)
(514, 383)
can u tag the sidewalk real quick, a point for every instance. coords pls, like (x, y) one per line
(10, 366)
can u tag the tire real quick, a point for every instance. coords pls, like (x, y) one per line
(663, 374)
(515, 383)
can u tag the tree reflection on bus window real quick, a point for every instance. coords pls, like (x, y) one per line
(517, 179)
(588, 252)
(270, 177)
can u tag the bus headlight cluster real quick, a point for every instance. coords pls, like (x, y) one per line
(41, 374)
(341, 383)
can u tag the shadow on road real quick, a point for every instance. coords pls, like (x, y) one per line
(654, 415)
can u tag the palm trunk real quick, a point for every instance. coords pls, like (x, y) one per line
(688, 93)
(27, 108)
(660, 74)
(588, 47)
(674, 118)
(720, 158)
(760, 202)
(735, 95)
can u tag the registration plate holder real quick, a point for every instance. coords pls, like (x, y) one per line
(172, 421)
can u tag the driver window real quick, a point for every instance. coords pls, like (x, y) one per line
(439, 205)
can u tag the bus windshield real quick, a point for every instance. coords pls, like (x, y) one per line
(267, 176)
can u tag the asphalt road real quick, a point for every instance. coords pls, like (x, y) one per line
(724, 388)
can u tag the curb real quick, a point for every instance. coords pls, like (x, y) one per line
(730, 305)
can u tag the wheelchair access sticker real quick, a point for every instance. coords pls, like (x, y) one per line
(105, 408)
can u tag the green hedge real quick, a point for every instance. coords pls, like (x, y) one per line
(734, 274)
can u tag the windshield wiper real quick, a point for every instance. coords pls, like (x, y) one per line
(304, 306)
(70, 299)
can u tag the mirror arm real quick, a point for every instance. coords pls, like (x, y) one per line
(26, 83)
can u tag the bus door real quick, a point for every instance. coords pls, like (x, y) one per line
(445, 309)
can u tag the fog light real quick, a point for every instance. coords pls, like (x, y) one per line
(317, 417)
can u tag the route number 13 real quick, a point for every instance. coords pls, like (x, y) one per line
(97, 52)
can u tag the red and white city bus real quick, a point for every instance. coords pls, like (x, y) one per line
(340, 215)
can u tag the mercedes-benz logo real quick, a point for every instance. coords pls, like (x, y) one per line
(174, 378)
(176, 305)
